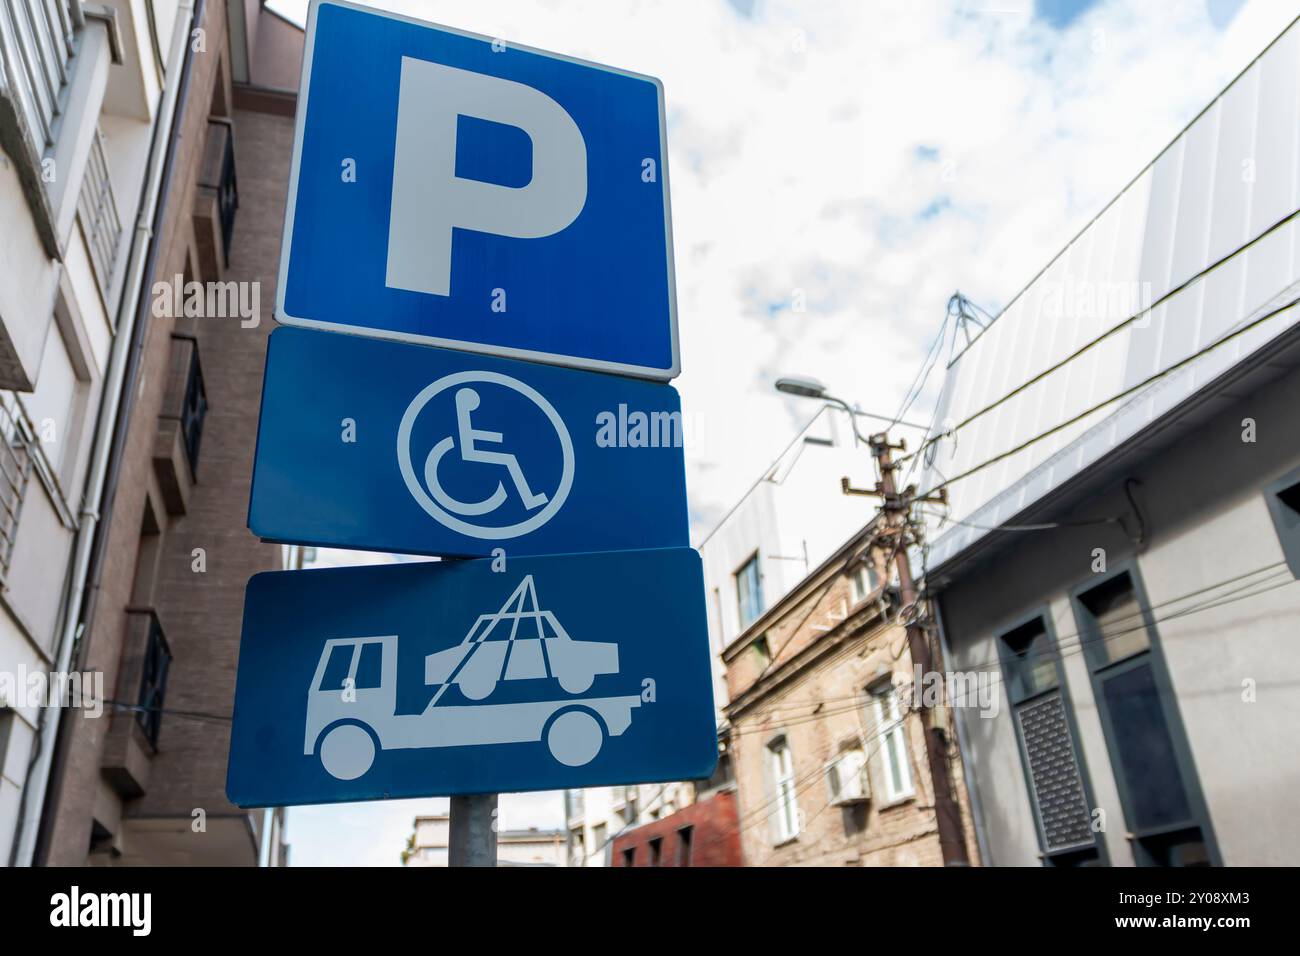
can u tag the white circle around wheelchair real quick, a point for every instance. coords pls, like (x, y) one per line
(451, 521)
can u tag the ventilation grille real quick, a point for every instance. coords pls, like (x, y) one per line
(1054, 772)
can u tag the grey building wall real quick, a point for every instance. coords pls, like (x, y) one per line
(1203, 509)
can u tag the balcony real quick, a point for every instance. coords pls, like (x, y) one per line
(180, 425)
(54, 60)
(217, 198)
(40, 39)
(142, 681)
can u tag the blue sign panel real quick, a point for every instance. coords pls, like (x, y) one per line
(441, 678)
(470, 193)
(378, 445)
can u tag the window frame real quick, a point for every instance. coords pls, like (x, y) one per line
(785, 830)
(752, 561)
(685, 845)
(1099, 670)
(1043, 613)
(1288, 534)
(858, 591)
(877, 694)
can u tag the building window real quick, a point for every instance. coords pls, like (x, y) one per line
(577, 847)
(1283, 499)
(786, 814)
(762, 652)
(1058, 786)
(629, 856)
(685, 841)
(97, 214)
(749, 592)
(16, 443)
(153, 682)
(893, 744)
(195, 410)
(656, 851)
(575, 804)
(864, 582)
(599, 840)
(1144, 736)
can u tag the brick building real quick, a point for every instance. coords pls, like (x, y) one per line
(145, 784)
(702, 834)
(827, 746)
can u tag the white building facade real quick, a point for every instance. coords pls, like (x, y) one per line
(86, 91)
(532, 847)
(1120, 452)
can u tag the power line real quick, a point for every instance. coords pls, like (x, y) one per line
(1087, 346)
(1061, 651)
(1109, 401)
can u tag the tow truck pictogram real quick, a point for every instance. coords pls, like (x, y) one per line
(349, 720)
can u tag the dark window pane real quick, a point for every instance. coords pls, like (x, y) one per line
(1120, 630)
(1031, 664)
(1146, 750)
(1184, 848)
(336, 671)
(370, 667)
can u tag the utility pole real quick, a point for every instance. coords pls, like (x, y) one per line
(472, 836)
(896, 508)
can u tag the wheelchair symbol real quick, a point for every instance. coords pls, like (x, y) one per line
(470, 444)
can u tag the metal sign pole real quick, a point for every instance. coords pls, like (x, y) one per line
(473, 837)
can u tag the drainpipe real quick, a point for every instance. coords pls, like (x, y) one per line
(120, 388)
(972, 789)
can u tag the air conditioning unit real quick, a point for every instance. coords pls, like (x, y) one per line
(846, 778)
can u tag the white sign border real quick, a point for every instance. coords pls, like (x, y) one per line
(529, 355)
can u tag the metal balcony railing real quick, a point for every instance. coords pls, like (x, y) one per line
(16, 441)
(97, 211)
(194, 411)
(38, 39)
(153, 681)
(218, 174)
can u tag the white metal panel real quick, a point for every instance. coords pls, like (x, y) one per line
(1276, 129)
(1234, 166)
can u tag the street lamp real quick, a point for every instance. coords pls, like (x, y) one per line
(804, 387)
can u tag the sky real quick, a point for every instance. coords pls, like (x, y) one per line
(838, 170)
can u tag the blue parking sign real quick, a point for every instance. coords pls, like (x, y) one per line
(384, 446)
(442, 678)
(470, 193)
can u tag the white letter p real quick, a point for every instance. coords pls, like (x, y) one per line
(429, 200)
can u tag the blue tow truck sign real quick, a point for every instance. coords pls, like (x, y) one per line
(443, 678)
(470, 193)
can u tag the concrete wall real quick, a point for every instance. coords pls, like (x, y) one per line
(1203, 505)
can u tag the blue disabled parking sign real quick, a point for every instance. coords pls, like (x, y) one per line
(385, 446)
(466, 192)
